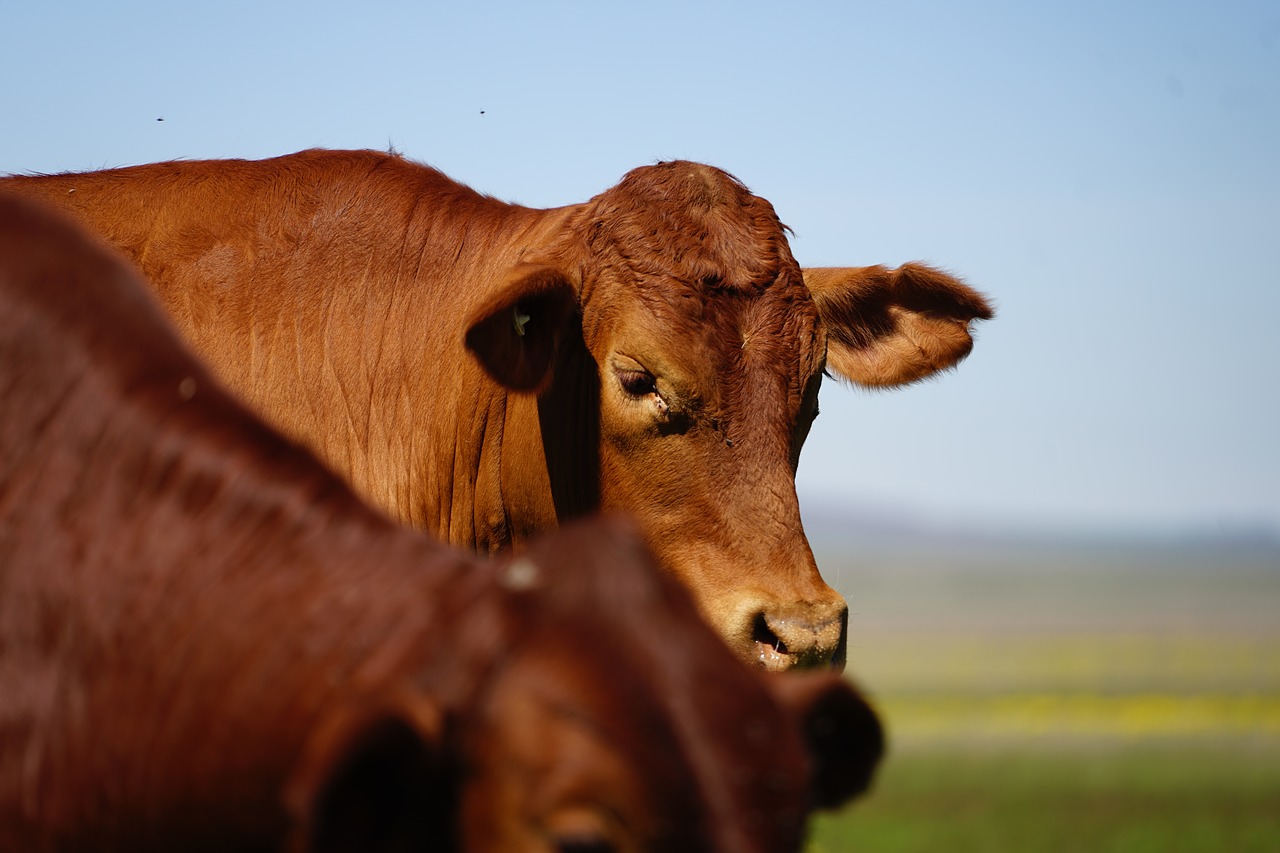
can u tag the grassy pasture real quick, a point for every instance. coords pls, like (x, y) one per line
(1096, 699)
(1132, 797)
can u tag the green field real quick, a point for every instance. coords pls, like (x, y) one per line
(1066, 701)
(1122, 797)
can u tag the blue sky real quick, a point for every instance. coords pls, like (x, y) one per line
(1109, 172)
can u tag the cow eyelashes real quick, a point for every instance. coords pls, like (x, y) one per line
(583, 845)
(637, 383)
(642, 385)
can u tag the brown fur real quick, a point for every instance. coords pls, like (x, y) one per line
(335, 291)
(207, 642)
(896, 326)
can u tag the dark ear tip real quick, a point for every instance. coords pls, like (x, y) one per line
(841, 732)
(848, 744)
(942, 293)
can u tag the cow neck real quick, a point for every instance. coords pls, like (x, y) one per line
(479, 476)
(547, 468)
(569, 416)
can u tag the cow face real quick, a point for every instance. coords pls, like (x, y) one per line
(572, 752)
(579, 748)
(611, 719)
(705, 346)
(707, 392)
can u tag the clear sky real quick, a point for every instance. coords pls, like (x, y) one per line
(1109, 172)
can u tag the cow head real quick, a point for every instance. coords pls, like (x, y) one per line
(704, 346)
(608, 718)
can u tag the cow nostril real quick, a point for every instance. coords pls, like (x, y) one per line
(764, 635)
(800, 636)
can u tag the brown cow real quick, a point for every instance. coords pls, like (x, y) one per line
(207, 642)
(675, 344)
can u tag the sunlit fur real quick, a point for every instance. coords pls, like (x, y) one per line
(689, 274)
(889, 327)
(364, 305)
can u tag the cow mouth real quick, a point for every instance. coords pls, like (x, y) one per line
(771, 652)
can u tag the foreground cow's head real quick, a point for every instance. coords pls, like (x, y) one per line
(593, 711)
(676, 296)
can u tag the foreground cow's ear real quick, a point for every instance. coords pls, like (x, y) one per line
(516, 331)
(840, 731)
(889, 327)
(373, 779)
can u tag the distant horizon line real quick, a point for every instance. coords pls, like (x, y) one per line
(823, 513)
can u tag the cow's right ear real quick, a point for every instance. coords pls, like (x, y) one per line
(373, 778)
(841, 733)
(516, 332)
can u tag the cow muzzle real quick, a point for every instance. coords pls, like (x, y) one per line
(801, 636)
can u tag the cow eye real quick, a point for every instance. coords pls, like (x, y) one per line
(582, 830)
(637, 383)
(583, 844)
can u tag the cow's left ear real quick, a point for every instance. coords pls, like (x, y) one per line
(516, 332)
(373, 778)
(841, 733)
(889, 327)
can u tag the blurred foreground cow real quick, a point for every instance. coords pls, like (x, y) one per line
(208, 643)
(674, 342)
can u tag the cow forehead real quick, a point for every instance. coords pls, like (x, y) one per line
(727, 343)
(685, 255)
(688, 222)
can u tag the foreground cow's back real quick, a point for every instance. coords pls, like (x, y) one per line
(676, 346)
(208, 643)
